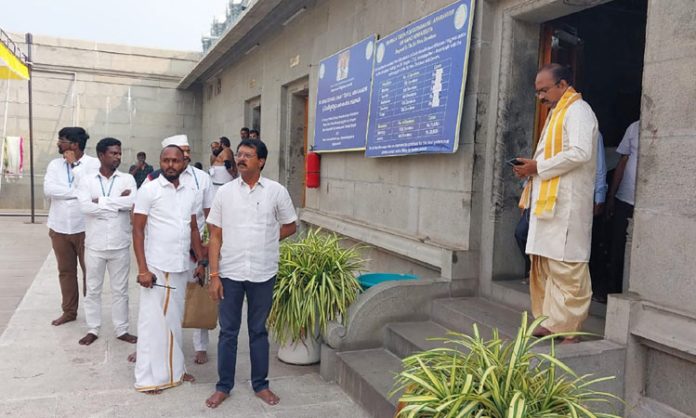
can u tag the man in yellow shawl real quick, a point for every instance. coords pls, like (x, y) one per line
(559, 194)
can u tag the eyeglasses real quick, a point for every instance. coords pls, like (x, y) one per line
(546, 89)
(244, 155)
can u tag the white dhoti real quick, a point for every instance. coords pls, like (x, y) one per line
(219, 176)
(117, 262)
(560, 291)
(160, 358)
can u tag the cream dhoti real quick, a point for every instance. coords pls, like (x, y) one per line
(219, 175)
(160, 358)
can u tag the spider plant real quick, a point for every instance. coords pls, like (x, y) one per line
(496, 379)
(315, 284)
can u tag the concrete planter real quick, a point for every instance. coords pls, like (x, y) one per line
(302, 352)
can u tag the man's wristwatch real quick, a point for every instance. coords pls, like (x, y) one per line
(203, 263)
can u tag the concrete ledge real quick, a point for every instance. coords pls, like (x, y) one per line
(665, 327)
(396, 301)
(405, 245)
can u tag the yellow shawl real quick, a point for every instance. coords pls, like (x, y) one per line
(553, 144)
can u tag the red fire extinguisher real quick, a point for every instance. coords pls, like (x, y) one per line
(312, 169)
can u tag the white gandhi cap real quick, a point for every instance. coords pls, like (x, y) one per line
(178, 140)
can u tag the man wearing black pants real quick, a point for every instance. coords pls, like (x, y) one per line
(249, 217)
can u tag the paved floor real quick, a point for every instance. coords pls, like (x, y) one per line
(47, 374)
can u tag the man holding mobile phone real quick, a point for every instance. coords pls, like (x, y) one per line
(164, 229)
(559, 195)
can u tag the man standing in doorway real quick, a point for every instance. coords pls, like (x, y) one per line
(140, 170)
(244, 133)
(66, 222)
(249, 217)
(254, 134)
(560, 196)
(164, 230)
(621, 200)
(224, 168)
(106, 198)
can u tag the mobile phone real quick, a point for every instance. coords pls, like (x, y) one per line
(513, 162)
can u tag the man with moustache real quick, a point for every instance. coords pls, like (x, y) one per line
(560, 197)
(106, 198)
(164, 230)
(244, 133)
(199, 182)
(249, 217)
(66, 222)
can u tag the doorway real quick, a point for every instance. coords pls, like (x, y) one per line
(604, 45)
(295, 119)
(252, 113)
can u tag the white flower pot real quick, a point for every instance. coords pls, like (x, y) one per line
(301, 352)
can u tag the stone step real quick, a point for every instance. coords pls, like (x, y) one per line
(460, 314)
(406, 338)
(368, 377)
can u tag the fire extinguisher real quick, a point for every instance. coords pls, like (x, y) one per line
(312, 169)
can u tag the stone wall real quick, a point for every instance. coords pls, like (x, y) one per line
(111, 90)
(423, 199)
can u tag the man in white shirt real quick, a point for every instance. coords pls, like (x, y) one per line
(164, 230)
(66, 222)
(249, 217)
(620, 204)
(106, 198)
(198, 181)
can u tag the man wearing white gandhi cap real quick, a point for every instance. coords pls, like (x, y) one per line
(199, 181)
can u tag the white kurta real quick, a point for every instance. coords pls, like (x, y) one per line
(567, 235)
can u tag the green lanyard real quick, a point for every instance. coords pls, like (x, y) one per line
(110, 187)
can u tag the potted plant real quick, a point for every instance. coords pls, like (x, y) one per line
(316, 283)
(496, 378)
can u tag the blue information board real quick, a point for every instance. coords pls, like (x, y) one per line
(418, 85)
(343, 98)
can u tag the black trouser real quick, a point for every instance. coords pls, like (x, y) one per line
(521, 232)
(617, 250)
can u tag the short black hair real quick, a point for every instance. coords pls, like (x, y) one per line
(104, 144)
(198, 165)
(559, 72)
(141, 153)
(172, 146)
(254, 131)
(225, 141)
(244, 129)
(258, 145)
(74, 134)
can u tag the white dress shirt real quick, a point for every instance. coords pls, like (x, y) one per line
(60, 183)
(629, 146)
(199, 182)
(168, 227)
(250, 220)
(107, 222)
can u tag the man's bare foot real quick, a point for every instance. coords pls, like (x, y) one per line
(267, 396)
(62, 319)
(570, 340)
(128, 338)
(216, 399)
(188, 378)
(133, 357)
(88, 339)
(153, 392)
(201, 357)
(540, 331)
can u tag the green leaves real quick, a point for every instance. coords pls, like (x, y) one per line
(315, 284)
(470, 377)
